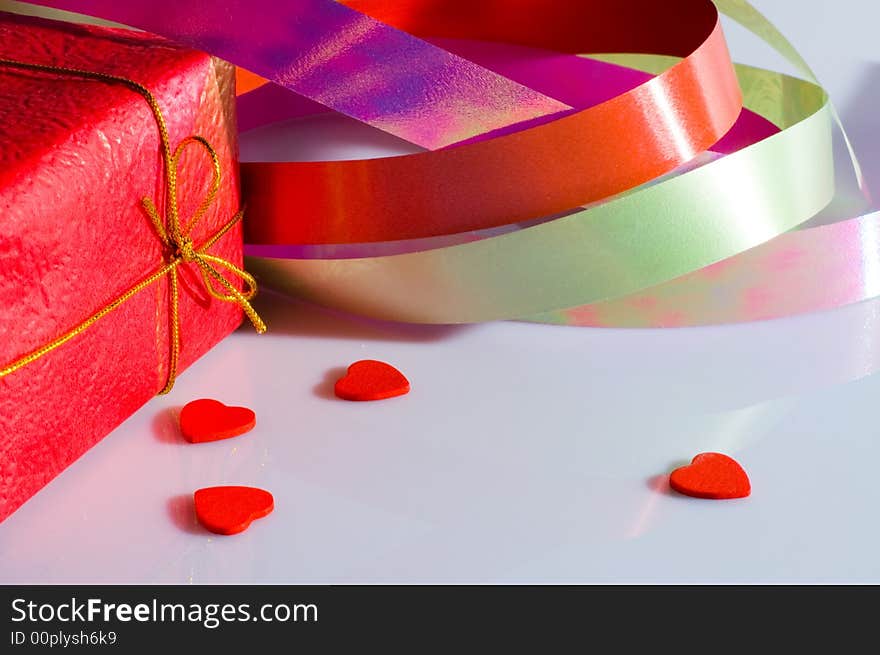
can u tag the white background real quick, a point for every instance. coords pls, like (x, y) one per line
(524, 453)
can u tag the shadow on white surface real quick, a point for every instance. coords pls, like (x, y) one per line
(182, 513)
(326, 388)
(861, 118)
(523, 453)
(166, 425)
(296, 318)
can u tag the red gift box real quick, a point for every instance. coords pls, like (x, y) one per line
(77, 156)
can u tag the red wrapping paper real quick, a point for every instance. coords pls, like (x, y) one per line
(76, 157)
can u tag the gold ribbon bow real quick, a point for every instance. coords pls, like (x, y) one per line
(175, 237)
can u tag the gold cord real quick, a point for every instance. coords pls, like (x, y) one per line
(178, 244)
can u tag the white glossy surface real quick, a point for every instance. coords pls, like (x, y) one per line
(524, 453)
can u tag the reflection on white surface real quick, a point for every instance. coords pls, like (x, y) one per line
(325, 137)
(523, 453)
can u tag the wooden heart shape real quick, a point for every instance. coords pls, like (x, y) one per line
(711, 475)
(369, 379)
(210, 420)
(230, 510)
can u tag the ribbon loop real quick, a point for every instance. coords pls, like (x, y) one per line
(179, 241)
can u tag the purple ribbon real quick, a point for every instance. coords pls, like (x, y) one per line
(343, 59)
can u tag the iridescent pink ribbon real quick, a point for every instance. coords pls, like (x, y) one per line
(342, 59)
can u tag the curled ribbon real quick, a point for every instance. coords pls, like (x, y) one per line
(571, 218)
(175, 236)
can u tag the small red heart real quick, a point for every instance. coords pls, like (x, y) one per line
(371, 380)
(711, 475)
(210, 420)
(230, 510)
